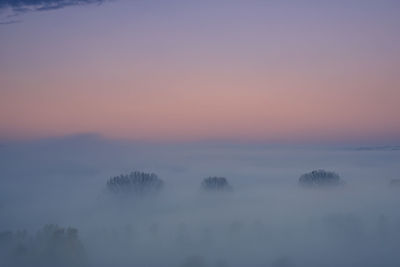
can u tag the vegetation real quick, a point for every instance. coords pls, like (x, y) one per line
(51, 246)
(135, 182)
(320, 178)
(216, 184)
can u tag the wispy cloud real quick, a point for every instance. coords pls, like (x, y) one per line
(9, 22)
(38, 5)
(17, 7)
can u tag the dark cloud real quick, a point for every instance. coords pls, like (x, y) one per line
(39, 5)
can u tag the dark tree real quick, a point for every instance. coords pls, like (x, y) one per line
(135, 182)
(216, 184)
(320, 178)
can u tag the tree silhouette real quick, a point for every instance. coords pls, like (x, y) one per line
(51, 246)
(320, 178)
(216, 184)
(135, 182)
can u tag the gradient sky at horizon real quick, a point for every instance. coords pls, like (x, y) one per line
(273, 71)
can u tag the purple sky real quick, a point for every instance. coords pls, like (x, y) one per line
(299, 71)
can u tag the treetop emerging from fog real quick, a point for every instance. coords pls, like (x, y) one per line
(320, 178)
(216, 184)
(135, 182)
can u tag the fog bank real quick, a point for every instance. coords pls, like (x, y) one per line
(49, 187)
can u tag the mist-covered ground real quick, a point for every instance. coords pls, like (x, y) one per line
(55, 209)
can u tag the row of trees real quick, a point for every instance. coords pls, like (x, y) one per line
(138, 183)
(51, 246)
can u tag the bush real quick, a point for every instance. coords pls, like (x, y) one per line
(135, 182)
(320, 178)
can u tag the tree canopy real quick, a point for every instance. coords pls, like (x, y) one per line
(320, 178)
(216, 184)
(135, 182)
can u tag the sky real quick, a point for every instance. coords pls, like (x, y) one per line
(252, 71)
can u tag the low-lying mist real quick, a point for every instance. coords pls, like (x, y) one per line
(56, 208)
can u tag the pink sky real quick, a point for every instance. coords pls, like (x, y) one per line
(269, 73)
